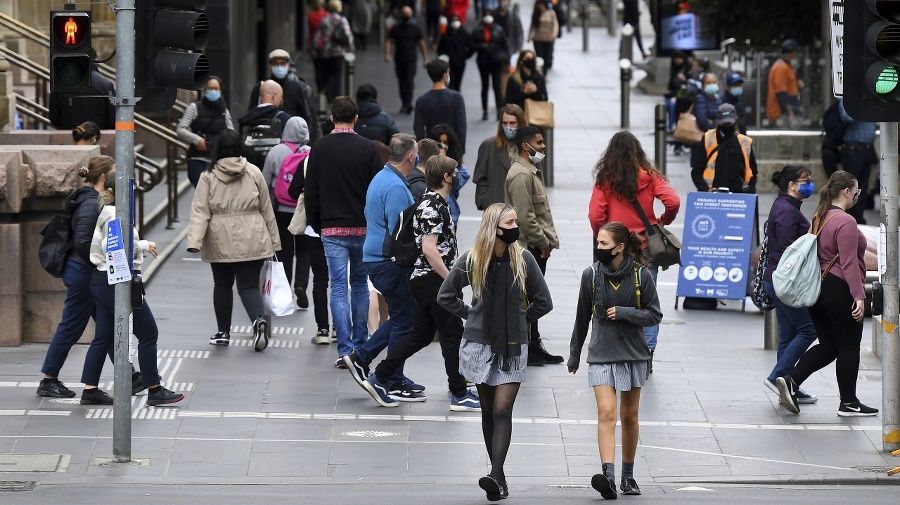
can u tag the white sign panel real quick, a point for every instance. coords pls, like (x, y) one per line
(837, 48)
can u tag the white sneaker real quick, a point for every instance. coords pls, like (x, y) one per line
(322, 337)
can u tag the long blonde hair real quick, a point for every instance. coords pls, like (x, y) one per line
(480, 255)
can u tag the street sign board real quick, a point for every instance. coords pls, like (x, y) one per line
(837, 48)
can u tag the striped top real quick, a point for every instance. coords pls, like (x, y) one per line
(98, 243)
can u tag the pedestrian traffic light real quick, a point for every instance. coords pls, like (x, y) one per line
(168, 37)
(871, 60)
(70, 44)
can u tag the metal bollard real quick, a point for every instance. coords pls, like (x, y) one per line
(626, 44)
(547, 168)
(611, 17)
(350, 64)
(585, 26)
(770, 331)
(323, 108)
(625, 84)
(659, 136)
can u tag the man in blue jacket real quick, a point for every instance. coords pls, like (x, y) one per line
(389, 195)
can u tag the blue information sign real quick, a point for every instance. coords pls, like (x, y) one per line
(718, 243)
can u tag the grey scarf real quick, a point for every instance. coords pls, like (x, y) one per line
(502, 301)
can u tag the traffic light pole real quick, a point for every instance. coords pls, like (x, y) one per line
(124, 205)
(890, 353)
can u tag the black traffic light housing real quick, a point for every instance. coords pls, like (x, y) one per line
(70, 51)
(872, 60)
(168, 37)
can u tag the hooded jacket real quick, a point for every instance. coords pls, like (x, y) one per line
(296, 132)
(605, 207)
(417, 184)
(82, 204)
(231, 214)
(374, 123)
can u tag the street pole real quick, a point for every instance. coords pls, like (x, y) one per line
(611, 17)
(585, 26)
(624, 91)
(890, 221)
(124, 203)
(659, 136)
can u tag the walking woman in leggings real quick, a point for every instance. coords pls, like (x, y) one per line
(838, 313)
(509, 293)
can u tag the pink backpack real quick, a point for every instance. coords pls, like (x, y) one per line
(286, 174)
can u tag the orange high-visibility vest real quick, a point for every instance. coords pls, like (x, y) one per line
(712, 152)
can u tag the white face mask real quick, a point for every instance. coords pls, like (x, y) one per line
(488, 20)
(537, 157)
(455, 25)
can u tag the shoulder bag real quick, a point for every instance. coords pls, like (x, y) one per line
(539, 113)
(664, 247)
(686, 129)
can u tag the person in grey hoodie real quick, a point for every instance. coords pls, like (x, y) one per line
(618, 298)
(294, 139)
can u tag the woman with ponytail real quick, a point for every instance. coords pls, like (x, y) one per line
(82, 205)
(618, 298)
(838, 313)
(143, 323)
(509, 293)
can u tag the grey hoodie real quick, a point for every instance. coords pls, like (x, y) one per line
(296, 132)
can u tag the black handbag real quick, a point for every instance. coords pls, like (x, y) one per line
(137, 290)
(664, 247)
(56, 242)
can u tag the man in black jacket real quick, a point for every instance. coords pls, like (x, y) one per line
(373, 123)
(295, 100)
(724, 158)
(271, 98)
(440, 105)
(341, 165)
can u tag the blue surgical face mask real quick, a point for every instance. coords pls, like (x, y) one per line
(280, 71)
(416, 163)
(509, 132)
(711, 89)
(738, 91)
(807, 189)
(213, 95)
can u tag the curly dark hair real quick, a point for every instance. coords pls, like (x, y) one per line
(454, 150)
(619, 167)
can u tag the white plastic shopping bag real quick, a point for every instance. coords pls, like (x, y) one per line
(276, 290)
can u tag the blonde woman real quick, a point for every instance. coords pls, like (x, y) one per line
(509, 293)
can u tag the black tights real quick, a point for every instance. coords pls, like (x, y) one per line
(496, 423)
(246, 274)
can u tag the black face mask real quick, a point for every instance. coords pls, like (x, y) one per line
(529, 64)
(605, 256)
(510, 235)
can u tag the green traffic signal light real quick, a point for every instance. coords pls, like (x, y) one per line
(886, 81)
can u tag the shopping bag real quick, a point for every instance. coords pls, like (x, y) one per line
(278, 299)
(686, 129)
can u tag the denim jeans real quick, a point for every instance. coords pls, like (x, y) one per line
(651, 332)
(143, 327)
(349, 311)
(393, 283)
(796, 333)
(78, 308)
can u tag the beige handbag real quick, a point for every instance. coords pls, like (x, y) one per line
(539, 113)
(298, 222)
(686, 130)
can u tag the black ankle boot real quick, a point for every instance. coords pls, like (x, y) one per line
(537, 350)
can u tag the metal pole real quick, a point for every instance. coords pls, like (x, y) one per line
(626, 44)
(625, 87)
(770, 330)
(350, 64)
(758, 108)
(124, 206)
(585, 26)
(890, 275)
(659, 136)
(611, 17)
(547, 170)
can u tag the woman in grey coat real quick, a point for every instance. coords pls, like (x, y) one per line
(509, 293)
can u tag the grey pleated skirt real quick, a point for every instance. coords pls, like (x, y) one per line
(475, 364)
(621, 376)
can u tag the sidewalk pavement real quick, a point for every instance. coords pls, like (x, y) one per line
(286, 416)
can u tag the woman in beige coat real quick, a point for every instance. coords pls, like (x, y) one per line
(233, 228)
(543, 32)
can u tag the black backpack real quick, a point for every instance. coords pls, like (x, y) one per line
(339, 35)
(404, 251)
(833, 125)
(260, 136)
(56, 244)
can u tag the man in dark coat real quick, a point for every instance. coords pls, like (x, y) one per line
(295, 100)
(373, 123)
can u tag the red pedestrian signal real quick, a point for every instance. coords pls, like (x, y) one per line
(70, 43)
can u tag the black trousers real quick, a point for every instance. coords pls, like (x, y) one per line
(311, 254)
(542, 264)
(490, 73)
(544, 50)
(430, 316)
(246, 274)
(456, 75)
(289, 251)
(333, 71)
(839, 338)
(406, 78)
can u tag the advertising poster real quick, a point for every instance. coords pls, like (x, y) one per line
(718, 243)
(682, 28)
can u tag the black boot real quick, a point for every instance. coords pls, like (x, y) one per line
(536, 350)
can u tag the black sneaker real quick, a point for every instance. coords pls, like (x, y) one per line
(606, 486)
(162, 396)
(53, 388)
(629, 486)
(402, 393)
(260, 334)
(358, 369)
(220, 338)
(137, 384)
(491, 487)
(302, 299)
(95, 396)
(787, 393)
(321, 337)
(856, 409)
